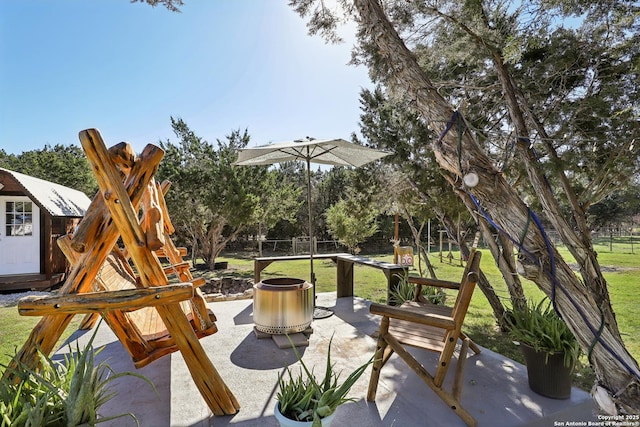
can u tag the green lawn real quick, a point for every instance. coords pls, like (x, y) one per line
(14, 330)
(621, 269)
(621, 273)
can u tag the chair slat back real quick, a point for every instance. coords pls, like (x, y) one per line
(467, 286)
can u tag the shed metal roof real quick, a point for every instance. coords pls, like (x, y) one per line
(56, 199)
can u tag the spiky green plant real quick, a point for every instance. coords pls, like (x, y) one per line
(67, 393)
(304, 398)
(405, 292)
(542, 329)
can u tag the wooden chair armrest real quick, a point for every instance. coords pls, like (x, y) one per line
(198, 282)
(176, 267)
(413, 314)
(181, 251)
(97, 302)
(433, 282)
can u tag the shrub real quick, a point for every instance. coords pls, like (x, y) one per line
(305, 398)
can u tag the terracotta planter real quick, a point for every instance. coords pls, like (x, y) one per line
(548, 375)
(287, 422)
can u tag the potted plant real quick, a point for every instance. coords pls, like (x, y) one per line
(303, 400)
(549, 348)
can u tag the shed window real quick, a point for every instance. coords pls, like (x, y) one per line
(19, 220)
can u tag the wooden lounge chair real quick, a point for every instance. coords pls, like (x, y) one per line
(150, 316)
(431, 327)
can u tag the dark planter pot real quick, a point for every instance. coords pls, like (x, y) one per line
(223, 265)
(548, 375)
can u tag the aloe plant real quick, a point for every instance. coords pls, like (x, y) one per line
(67, 393)
(542, 329)
(304, 398)
(405, 291)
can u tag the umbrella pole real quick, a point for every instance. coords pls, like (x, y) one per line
(318, 312)
(312, 274)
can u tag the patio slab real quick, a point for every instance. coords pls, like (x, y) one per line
(496, 391)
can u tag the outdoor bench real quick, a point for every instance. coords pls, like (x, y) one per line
(344, 263)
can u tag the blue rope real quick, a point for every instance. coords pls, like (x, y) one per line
(596, 333)
(552, 260)
(497, 227)
(552, 274)
(448, 126)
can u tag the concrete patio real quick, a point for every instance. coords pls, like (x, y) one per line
(495, 389)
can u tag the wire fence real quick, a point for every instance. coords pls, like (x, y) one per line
(297, 246)
(439, 246)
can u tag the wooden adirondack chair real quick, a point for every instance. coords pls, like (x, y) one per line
(150, 316)
(431, 327)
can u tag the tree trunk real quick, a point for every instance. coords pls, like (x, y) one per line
(503, 254)
(216, 242)
(505, 260)
(417, 240)
(585, 307)
(483, 283)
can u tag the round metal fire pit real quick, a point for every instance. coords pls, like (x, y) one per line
(282, 305)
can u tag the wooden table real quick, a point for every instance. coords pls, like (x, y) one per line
(344, 263)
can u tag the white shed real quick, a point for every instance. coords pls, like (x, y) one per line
(33, 214)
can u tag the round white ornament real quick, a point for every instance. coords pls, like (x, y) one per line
(471, 179)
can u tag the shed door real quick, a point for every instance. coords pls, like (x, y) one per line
(19, 236)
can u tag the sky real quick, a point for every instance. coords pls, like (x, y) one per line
(127, 68)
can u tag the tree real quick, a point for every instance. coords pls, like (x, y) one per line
(172, 5)
(351, 222)
(331, 186)
(591, 98)
(616, 208)
(212, 201)
(64, 165)
(420, 188)
(281, 202)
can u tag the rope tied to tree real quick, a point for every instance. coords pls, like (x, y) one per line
(448, 127)
(598, 335)
(551, 273)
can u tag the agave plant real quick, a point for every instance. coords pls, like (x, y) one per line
(304, 398)
(67, 393)
(405, 292)
(539, 327)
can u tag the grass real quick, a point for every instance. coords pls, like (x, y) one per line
(621, 271)
(15, 329)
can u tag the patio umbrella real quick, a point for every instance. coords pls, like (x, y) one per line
(335, 152)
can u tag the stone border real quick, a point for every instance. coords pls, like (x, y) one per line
(218, 297)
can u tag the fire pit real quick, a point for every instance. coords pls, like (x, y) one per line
(282, 305)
